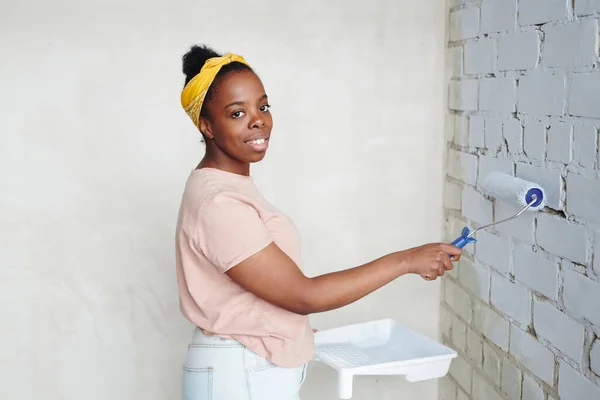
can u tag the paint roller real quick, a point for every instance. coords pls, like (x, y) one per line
(528, 195)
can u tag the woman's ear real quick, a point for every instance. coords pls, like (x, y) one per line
(205, 128)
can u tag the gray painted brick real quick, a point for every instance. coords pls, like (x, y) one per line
(448, 124)
(595, 357)
(458, 300)
(572, 385)
(570, 45)
(462, 166)
(587, 7)
(476, 131)
(521, 228)
(498, 15)
(454, 57)
(493, 250)
(497, 94)
(513, 133)
(493, 134)
(463, 95)
(581, 296)
(447, 389)
(476, 207)
(452, 226)
(464, 23)
(491, 325)
(562, 238)
(459, 334)
(445, 318)
(452, 273)
(584, 145)
(536, 270)
(460, 126)
(540, 11)
(491, 164)
(583, 197)
(537, 358)
(475, 278)
(559, 329)
(541, 94)
(511, 380)
(550, 180)
(531, 389)
(596, 265)
(480, 56)
(491, 364)
(452, 196)
(474, 347)
(511, 299)
(518, 52)
(468, 164)
(584, 98)
(534, 141)
(462, 372)
(559, 142)
(483, 390)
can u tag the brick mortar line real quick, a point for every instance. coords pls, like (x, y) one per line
(591, 331)
(508, 356)
(463, 5)
(517, 74)
(545, 342)
(476, 299)
(451, 179)
(585, 121)
(518, 29)
(457, 385)
(503, 357)
(527, 72)
(565, 170)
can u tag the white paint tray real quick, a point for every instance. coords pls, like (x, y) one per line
(382, 347)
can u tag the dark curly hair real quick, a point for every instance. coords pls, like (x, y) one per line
(194, 60)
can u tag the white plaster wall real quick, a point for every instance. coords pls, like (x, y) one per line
(95, 149)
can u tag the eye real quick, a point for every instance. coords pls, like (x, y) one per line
(265, 107)
(238, 114)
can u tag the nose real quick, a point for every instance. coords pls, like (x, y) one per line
(257, 121)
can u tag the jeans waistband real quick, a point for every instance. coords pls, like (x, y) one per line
(201, 339)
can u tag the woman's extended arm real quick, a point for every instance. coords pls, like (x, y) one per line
(271, 275)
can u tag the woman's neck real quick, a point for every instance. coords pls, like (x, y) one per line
(225, 164)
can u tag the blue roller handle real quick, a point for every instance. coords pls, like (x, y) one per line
(463, 240)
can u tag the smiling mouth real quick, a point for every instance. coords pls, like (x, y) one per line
(257, 141)
(259, 145)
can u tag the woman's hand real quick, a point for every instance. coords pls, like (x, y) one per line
(431, 260)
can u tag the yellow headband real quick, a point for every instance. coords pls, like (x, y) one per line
(195, 91)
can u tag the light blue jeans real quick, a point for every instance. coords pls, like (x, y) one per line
(224, 369)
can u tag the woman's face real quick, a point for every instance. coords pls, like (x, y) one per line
(240, 121)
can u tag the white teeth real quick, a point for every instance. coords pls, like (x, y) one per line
(257, 141)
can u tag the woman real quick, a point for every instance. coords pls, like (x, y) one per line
(238, 257)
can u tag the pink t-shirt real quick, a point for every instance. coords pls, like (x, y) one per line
(223, 219)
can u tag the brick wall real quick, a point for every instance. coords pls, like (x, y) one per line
(522, 308)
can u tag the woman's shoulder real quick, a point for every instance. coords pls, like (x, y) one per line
(206, 187)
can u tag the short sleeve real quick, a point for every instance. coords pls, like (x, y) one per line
(229, 230)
